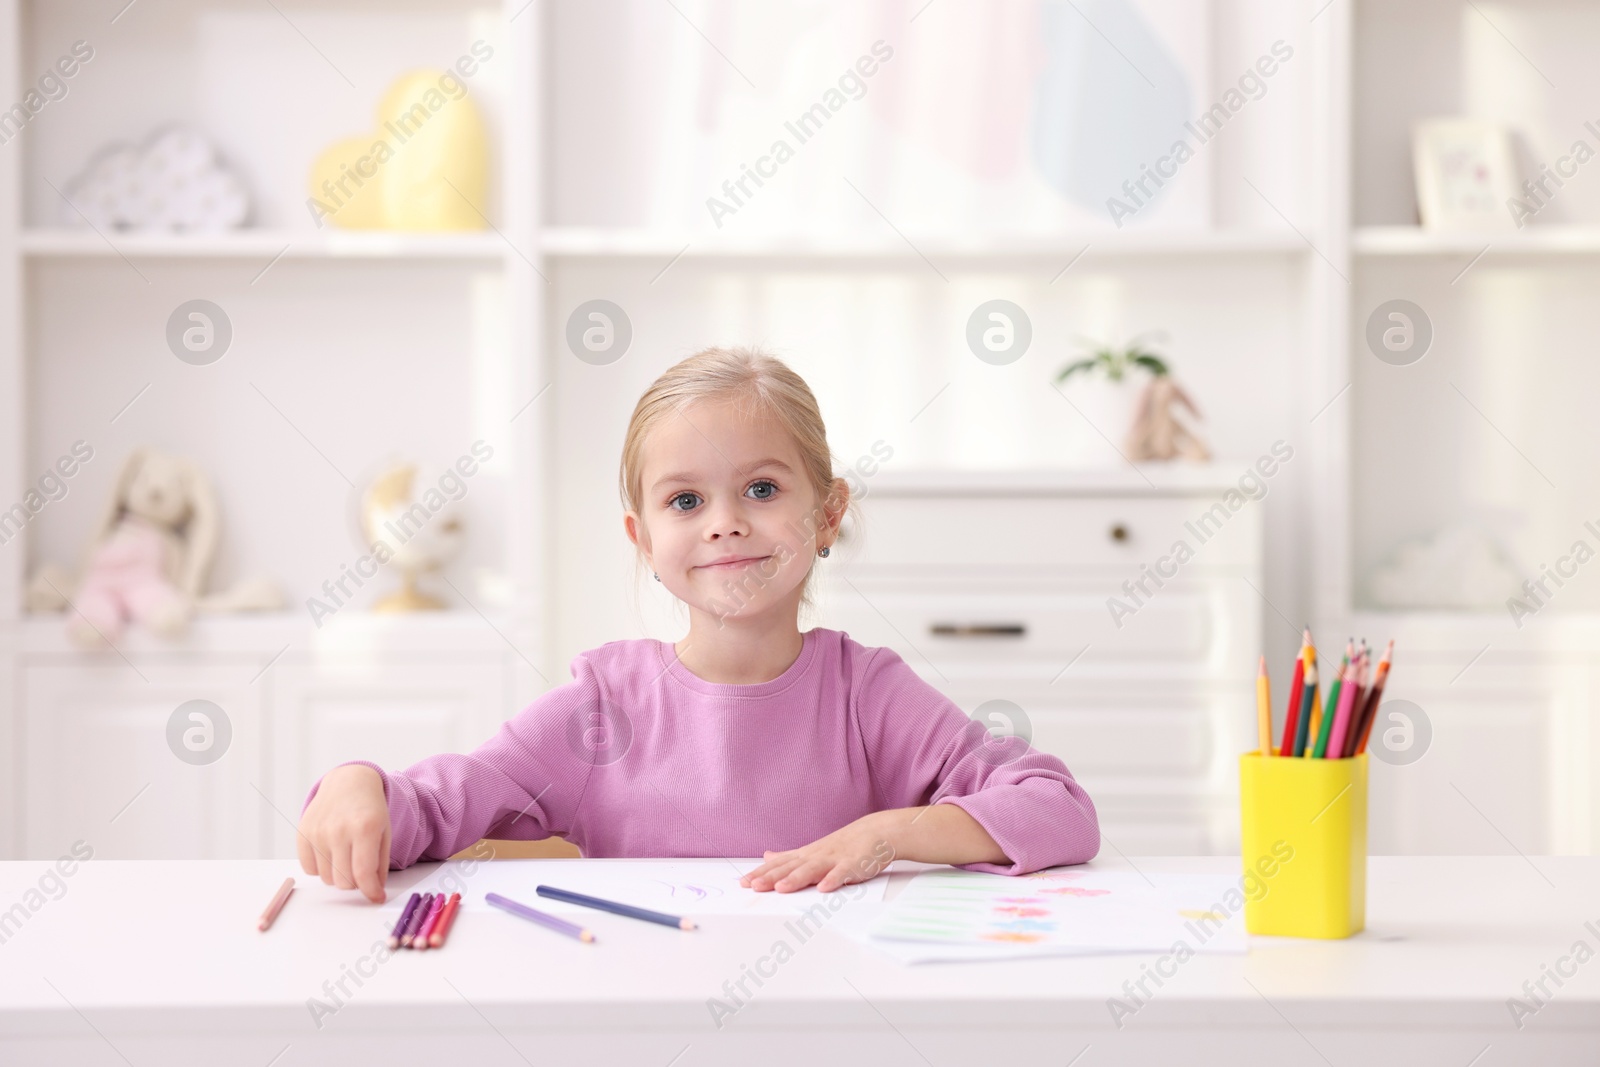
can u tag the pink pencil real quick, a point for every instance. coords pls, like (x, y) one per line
(276, 904)
(420, 941)
(1347, 700)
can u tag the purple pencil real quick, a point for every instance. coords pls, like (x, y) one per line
(405, 917)
(416, 920)
(540, 917)
(428, 921)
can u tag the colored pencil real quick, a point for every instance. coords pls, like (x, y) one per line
(405, 917)
(1314, 726)
(420, 942)
(276, 904)
(1371, 714)
(1325, 726)
(542, 918)
(416, 919)
(1363, 687)
(1292, 715)
(448, 916)
(1341, 717)
(1264, 708)
(615, 908)
(1308, 703)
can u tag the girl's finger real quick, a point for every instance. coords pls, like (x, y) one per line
(776, 874)
(775, 861)
(308, 855)
(364, 866)
(802, 875)
(340, 854)
(835, 878)
(750, 875)
(324, 861)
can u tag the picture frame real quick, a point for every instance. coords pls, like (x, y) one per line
(1465, 175)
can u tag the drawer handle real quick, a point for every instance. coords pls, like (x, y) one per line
(998, 629)
(1119, 532)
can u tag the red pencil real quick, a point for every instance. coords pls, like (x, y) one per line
(1371, 714)
(1295, 687)
(446, 917)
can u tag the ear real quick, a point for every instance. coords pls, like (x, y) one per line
(119, 490)
(833, 508)
(637, 534)
(202, 531)
(1184, 397)
(1147, 395)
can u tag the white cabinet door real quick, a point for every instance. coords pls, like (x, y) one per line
(100, 768)
(1487, 775)
(387, 711)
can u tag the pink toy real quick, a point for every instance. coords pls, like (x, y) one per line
(150, 555)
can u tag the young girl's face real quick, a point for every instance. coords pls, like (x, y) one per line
(729, 521)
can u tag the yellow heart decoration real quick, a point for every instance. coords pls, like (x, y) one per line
(425, 166)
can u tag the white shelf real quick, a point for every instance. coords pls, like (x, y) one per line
(1416, 241)
(1131, 479)
(268, 244)
(445, 633)
(1455, 635)
(583, 242)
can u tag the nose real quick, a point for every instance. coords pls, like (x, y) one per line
(725, 519)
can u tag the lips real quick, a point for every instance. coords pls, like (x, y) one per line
(732, 563)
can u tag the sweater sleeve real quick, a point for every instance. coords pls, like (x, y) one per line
(524, 783)
(923, 749)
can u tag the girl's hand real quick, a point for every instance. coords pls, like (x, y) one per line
(344, 833)
(854, 853)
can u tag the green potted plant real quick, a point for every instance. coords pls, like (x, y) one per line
(1104, 387)
(1116, 363)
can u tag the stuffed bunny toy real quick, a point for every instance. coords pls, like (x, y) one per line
(151, 551)
(1157, 432)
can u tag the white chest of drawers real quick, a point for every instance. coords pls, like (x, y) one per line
(1118, 610)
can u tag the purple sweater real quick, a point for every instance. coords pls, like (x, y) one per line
(639, 757)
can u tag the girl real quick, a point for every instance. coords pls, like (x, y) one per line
(747, 737)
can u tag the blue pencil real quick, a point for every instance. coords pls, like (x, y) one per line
(616, 909)
(542, 918)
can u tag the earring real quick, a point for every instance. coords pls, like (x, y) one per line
(825, 551)
(657, 577)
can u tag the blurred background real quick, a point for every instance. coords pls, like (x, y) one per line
(320, 326)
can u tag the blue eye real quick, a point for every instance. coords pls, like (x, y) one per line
(770, 486)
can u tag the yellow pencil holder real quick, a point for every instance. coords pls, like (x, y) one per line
(1304, 844)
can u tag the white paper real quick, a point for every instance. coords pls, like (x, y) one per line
(689, 887)
(968, 915)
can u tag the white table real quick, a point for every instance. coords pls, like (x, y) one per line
(160, 963)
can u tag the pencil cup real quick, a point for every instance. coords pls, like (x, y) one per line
(1304, 842)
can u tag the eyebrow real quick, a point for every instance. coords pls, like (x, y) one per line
(689, 476)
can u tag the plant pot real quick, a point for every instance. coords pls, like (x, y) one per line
(1099, 409)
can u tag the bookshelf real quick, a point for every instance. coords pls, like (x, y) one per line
(374, 343)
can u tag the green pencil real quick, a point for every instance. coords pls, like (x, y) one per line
(1326, 729)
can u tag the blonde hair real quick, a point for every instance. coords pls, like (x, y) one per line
(759, 383)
